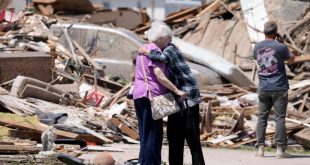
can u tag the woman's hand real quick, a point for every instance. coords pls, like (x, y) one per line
(143, 51)
(183, 95)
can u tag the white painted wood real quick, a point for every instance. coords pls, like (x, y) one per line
(255, 15)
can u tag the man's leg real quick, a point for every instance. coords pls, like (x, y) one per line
(280, 100)
(192, 135)
(175, 134)
(264, 107)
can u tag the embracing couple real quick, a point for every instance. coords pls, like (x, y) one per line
(161, 64)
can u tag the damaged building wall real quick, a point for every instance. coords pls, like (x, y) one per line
(39, 66)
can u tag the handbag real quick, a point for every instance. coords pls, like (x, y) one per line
(162, 105)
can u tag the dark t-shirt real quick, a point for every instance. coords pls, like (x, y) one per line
(270, 56)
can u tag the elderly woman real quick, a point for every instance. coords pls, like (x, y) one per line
(184, 124)
(151, 76)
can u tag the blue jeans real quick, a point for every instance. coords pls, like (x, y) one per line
(150, 132)
(278, 100)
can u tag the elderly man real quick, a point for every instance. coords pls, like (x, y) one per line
(272, 89)
(185, 124)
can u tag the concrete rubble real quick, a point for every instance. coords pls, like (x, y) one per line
(70, 71)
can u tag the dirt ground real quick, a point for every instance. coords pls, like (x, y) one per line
(213, 156)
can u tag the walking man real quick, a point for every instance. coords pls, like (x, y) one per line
(272, 89)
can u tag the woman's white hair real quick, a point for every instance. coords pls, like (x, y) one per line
(158, 29)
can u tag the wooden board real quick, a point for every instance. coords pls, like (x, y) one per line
(124, 128)
(17, 149)
(303, 137)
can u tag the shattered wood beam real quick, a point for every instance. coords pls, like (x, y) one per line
(124, 128)
(297, 122)
(224, 138)
(211, 8)
(302, 105)
(296, 93)
(302, 58)
(119, 94)
(100, 136)
(297, 114)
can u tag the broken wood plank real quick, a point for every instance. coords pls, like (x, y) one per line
(303, 137)
(106, 140)
(302, 105)
(124, 128)
(119, 94)
(297, 122)
(301, 58)
(224, 138)
(15, 149)
(296, 93)
(211, 8)
(38, 128)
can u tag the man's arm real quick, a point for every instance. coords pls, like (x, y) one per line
(155, 55)
(167, 83)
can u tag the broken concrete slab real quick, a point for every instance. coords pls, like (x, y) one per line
(29, 87)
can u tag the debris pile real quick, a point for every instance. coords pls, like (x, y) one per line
(229, 117)
(57, 95)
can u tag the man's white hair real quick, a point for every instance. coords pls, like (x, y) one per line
(158, 29)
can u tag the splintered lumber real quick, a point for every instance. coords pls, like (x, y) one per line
(298, 92)
(106, 140)
(303, 137)
(18, 149)
(297, 114)
(119, 94)
(302, 105)
(31, 127)
(224, 138)
(301, 58)
(211, 8)
(298, 122)
(239, 124)
(124, 128)
(206, 123)
(206, 135)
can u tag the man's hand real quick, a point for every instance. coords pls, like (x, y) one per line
(182, 94)
(143, 51)
(279, 38)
